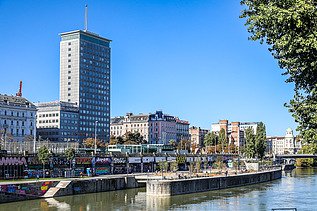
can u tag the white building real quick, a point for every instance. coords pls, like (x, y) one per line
(285, 145)
(17, 118)
(58, 121)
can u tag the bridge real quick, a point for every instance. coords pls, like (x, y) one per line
(295, 156)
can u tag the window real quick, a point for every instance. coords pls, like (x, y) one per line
(69, 60)
(69, 83)
(68, 94)
(69, 43)
(69, 66)
(69, 55)
(22, 132)
(17, 123)
(69, 77)
(69, 88)
(31, 132)
(69, 49)
(11, 122)
(69, 72)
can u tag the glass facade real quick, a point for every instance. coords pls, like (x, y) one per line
(85, 80)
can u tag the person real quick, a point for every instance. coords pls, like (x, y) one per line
(81, 174)
(226, 172)
(37, 177)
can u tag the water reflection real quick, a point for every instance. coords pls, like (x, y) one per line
(296, 189)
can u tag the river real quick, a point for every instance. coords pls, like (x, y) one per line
(297, 189)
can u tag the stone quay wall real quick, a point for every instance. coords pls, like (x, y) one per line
(202, 184)
(35, 190)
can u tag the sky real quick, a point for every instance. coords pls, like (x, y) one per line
(188, 58)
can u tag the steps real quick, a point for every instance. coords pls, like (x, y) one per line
(53, 190)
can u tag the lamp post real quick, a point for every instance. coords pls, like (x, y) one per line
(96, 137)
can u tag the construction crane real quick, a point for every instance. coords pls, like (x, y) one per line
(19, 93)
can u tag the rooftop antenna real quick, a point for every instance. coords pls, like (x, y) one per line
(19, 93)
(86, 17)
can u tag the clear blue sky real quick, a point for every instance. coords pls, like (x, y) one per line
(188, 58)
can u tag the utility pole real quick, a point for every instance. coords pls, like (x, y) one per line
(96, 137)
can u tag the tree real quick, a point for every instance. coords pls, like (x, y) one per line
(184, 145)
(43, 156)
(133, 138)
(260, 140)
(90, 143)
(250, 143)
(210, 139)
(222, 138)
(70, 154)
(289, 28)
(174, 166)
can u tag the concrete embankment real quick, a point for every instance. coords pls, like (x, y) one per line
(202, 184)
(34, 190)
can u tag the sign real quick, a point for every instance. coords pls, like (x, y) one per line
(134, 159)
(83, 160)
(102, 161)
(4, 161)
(119, 160)
(148, 159)
(189, 159)
(180, 159)
(160, 159)
(171, 159)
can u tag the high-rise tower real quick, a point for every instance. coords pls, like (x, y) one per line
(85, 80)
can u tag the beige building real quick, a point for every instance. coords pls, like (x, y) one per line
(197, 135)
(130, 123)
(234, 130)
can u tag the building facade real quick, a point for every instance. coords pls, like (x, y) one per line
(287, 144)
(156, 128)
(130, 123)
(17, 118)
(58, 121)
(235, 130)
(85, 80)
(182, 130)
(197, 135)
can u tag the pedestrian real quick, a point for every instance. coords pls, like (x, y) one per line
(226, 172)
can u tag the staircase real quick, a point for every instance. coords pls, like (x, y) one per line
(53, 190)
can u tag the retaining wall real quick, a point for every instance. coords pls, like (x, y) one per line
(194, 185)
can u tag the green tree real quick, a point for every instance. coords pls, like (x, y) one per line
(174, 166)
(133, 138)
(70, 154)
(43, 156)
(222, 138)
(210, 139)
(250, 143)
(289, 28)
(260, 140)
(184, 145)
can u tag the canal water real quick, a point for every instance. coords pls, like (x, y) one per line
(297, 189)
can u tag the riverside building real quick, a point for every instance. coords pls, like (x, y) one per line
(234, 130)
(156, 128)
(85, 80)
(17, 118)
(58, 121)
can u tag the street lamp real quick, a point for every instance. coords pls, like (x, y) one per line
(96, 137)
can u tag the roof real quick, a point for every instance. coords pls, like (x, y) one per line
(15, 101)
(86, 33)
